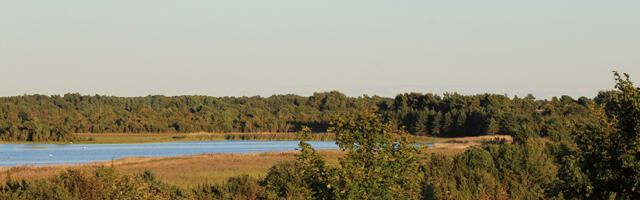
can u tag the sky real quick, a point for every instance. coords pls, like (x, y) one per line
(247, 48)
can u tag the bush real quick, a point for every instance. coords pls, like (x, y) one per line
(240, 187)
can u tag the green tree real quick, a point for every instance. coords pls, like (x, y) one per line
(315, 174)
(307, 178)
(379, 163)
(611, 148)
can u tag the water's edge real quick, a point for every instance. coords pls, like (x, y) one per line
(58, 154)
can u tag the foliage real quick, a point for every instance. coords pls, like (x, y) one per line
(466, 176)
(307, 178)
(240, 187)
(284, 181)
(105, 183)
(497, 171)
(380, 164)
(454, 115)
(55, 118)
(610, 148)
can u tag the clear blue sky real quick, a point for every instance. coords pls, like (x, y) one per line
(236, 48)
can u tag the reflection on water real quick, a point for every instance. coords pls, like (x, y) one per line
(48, 154)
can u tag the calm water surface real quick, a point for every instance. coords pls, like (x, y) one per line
(50, 154)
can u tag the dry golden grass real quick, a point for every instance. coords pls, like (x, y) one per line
(459, 145)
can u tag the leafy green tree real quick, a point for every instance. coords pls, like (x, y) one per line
(611, 148)
(527, 170)
(379, 163)
(37, 117)
(497, 171)
(315, 174)
(283, 181)
(307, 178)
(466, 176)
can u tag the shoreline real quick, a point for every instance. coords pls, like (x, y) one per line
(139, 138)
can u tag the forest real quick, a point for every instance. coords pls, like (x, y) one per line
(592, 153)
(57, 118)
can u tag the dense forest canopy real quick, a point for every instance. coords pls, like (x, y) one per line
(47, 118)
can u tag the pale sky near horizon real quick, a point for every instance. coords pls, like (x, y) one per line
(246, 48)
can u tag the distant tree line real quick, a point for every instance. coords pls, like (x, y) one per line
(56, 118)
(41, 118)
(458, 115)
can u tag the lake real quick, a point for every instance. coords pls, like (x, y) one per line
(51, 154)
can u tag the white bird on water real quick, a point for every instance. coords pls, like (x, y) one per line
(50, 155)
